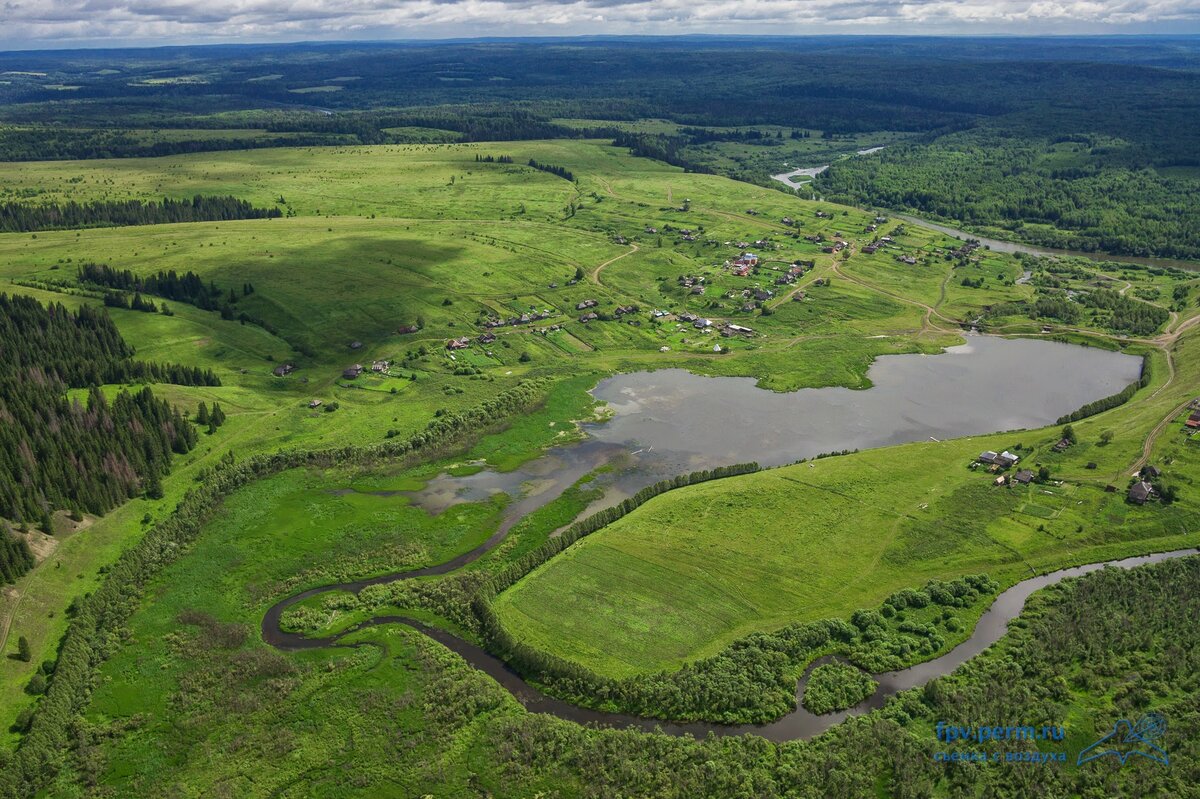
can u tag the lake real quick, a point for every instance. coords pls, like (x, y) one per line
(671, 421)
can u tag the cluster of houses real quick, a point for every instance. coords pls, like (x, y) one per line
(460, 343)
(523, 319)
(687, 235)
(744, 264)
(1193, 421)
(693, 283)
(998, 461)
(352, 372)
(875, 245)
(837, 245)
(965, 250)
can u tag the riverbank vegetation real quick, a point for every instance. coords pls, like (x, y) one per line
(836, 686)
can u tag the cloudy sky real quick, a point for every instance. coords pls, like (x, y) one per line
(59, 23)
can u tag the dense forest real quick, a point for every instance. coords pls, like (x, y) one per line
(63, 452)
(1084, 192)
(23, 217)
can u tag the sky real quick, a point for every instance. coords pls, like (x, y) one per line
(30, 24)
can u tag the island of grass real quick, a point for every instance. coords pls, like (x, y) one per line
(836, 686)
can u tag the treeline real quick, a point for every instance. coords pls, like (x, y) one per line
(494, 159)
(187, 288)
(561, 171)
(668, 149)
(98, 618)
(77, 348)
(25, 217)
(1113, 400)
(52, 143)
(59, 452)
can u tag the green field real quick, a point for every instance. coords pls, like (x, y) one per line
(380, 237)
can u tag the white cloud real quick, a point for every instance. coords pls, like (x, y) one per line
(34, 23)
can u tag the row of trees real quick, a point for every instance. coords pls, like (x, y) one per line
(561, 171)
(25, 217)
(187, 287)
(93, 633)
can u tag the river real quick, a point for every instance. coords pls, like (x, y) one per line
(797, 725)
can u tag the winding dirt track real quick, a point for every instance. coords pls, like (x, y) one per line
(595, 273)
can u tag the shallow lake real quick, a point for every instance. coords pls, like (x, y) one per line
(671, 421)
(983, 386)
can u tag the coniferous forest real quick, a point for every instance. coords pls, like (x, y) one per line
(82, 453)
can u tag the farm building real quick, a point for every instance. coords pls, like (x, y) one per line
(1003, 460)
(1140, 492)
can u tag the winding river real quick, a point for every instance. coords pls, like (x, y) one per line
(670, 422)
(800, 724)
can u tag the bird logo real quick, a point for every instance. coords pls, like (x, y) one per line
(1127, 740)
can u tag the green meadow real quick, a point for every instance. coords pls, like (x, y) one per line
(378, 238)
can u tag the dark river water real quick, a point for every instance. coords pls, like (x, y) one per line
(670, 422)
